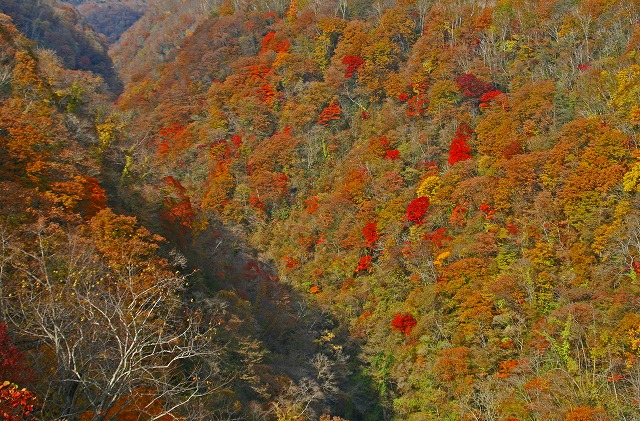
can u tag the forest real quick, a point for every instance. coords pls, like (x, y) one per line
(320, 210)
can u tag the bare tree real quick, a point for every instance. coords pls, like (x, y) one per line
(117, 330)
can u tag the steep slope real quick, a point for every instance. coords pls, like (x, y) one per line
(152, 40)
(108, 321)
(456, 182)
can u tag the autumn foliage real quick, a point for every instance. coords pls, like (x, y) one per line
(13, 366)
(438, 237)
(472, 87)
(178, 208)
(336, 171)
(330, 113)
(392, 154)
(364, 264)
(417, 210)
(442, 158)
(370, 233)
(16, 404)
(460, 149)
(403, 323)
(352, 64)
(487, 97)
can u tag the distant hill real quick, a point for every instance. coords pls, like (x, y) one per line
(111, 18)
(153, 39)
(54, 25)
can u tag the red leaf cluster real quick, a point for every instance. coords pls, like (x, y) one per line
(94, 198)
(514, 148)
(505, 369)
(236, 141)
(364, 264)
(512, 228)
(311, 205)
(614, 378)
(283, 46)
(267, 93)
(353, 63)
(290, 262)
(281, 183)
(437, 237)
(379, 146)
(417, 209)
(460, 149)
(169, 137)
(584, 67)
(16, 404)
(256, 203)
(177, 203)
(12, 363)
(172, 130)
(488, 97)
(472, 87)
(417, 105)
(330, 112)
(392, 154)
(487, 210)
(370, 232)
(458, 215)
(403, 323)
(259, 71)
(266, 41)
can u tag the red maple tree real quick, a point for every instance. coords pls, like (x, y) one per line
(13, 367)
(417, 209)
(460, 149)
(488, 97)
(353, 63)
(330, 112)
(392, 154)
(364, 263)
(472, 87)
(370, 232)
(403, 323)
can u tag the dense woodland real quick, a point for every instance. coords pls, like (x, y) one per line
(334, 210)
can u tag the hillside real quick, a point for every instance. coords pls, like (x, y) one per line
(111, 18)
(57, 26)
(456, 182)
(362, 210)
(100, 318)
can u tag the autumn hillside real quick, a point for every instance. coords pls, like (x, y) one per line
(101, 318)
(59, 27)
(456, 182)
(377, 210)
